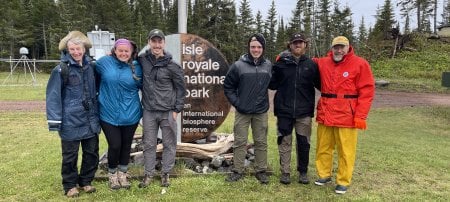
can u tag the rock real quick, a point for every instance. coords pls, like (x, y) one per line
(381, 83)
(216, 162)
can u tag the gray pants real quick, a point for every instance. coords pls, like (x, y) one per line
(303, 136)
(152, 121)
(258, 123)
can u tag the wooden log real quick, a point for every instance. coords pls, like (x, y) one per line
(200, 151)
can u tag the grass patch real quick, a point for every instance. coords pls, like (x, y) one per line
(19, 87)
(404, 156)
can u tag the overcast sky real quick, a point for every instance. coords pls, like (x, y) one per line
(359, 8)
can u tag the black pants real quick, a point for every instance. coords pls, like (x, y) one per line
(89, 163)
(119, 143)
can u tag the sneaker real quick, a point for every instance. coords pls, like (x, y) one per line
(146, 181)
(233, 177)
(340, 189)
(113, 181)
(262, 177)
(285, 178)
(165, 180)
(72, 193)
(89, 189)
(124, 183)
(322, 181)
(303, 178)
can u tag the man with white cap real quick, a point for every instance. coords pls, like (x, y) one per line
(347, 91)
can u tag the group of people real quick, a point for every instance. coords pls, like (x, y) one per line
(84, 97)
(346, 86)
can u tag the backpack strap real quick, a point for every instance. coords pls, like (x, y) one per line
(64, 71)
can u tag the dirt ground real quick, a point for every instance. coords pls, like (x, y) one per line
(382, 99)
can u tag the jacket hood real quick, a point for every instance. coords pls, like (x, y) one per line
(247, 58)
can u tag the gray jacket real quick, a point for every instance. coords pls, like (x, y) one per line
(163, 84)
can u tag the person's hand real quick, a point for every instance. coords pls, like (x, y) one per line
(54, 126)
(174, 114)
(360, 123)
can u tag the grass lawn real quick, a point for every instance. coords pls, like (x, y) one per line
(403, 156)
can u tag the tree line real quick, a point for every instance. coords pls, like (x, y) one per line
(40, 24)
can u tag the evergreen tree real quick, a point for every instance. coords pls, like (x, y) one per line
(171, 20)
(362, 34)
(13, 26)
(407, 28)
(215, 21)
(282, 39)
(295, 25)
(324, 27)
(423, 11)
(342, 24)
(259, 23)
(385, 21)
(271, 36)
(245, 19)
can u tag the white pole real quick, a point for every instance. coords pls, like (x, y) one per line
(182, 17)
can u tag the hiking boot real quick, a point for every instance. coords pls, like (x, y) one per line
(113, 181)
(72, 193)
(262, 177)
(285, 178)
(322, 181)
(146, 181)
(340, 189)
(165, 180)
(88, 189)
(124, 183)
(303, 178)
(233, 177)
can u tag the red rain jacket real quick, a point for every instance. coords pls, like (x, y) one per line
(348, 88)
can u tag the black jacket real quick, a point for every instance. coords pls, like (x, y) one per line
(294, 83)
(246, 85)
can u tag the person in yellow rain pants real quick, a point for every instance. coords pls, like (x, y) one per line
(347, 91)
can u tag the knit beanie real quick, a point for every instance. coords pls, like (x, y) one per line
(258, 37)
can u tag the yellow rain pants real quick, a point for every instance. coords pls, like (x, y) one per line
(344, 139)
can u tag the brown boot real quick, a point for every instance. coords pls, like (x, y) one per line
(113, 181)
(124, 183)
(72, 193)
(165, 180)
(146, 181)
(88, 189)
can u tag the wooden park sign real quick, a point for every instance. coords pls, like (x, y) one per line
(206, 106)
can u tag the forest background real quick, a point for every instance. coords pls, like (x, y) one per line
(39, 24)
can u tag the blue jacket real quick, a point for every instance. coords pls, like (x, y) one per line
(119, 92)
(72, 108)
(246, 85)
